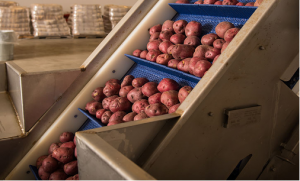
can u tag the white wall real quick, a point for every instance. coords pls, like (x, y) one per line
(67, 3)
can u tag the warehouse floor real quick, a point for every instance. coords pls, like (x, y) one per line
(37, 55)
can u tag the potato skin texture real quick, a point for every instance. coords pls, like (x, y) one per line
(192, 64)
(177, 38)
(71, 168)
(156, 109)
(168, 26)
(156, 28)
(135, 94)
(117, 81)
(230, 34)
(52, 147)
(229, 2)
(106, 116)
(127, 79)
(224, 46)
(184, 92)
(201, 50)
(193, 28)
(66, 136)
(165, 35)
(153, 45)
(199, 2)
(163, 47)
(58, 175)
(42, 174)
(98, 94)
(39, 161)
(174, 108)
(129, 117)
(209, 1)
(173, 63)
(111, 89)
(192, 40)
(180, 52)
(218, 3)
(201, 67)
(183, 65)
(167, 84)
(179, 26)
(155, 98)
(141, 115)
(209, 39)
(99, 113)
(125, 90)
(64, 155)
(211, 54)
(218, 43)
(120, 104)
(149, 89)
(169, 98)
(140, 105)
(152, 55)
(183, 1)
(49, 164)
(163, 59)
(139, 82)
(137, 52)
(143, 54)
(107, 101)
(222, 27)
(69, 144)
(75, 177)
(154, 36)
(94, 106)
(215, 59)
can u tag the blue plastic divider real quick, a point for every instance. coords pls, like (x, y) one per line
(34, 170)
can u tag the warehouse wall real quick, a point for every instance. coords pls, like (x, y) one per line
(67, 3)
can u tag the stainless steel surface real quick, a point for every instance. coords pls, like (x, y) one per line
(3, 77)
(9, 124)
(113, 150)
(9, 156)
(291, 69)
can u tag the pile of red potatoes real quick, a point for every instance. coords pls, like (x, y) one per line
(224, 2)
(60, 163)
(135, 99)
(178, 45)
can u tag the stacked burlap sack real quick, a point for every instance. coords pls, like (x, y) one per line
(86, 19)
(47, 20)
(15, 18)
(8, 3)
(112, 15)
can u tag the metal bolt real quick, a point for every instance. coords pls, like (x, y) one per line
(210, 114)
(273, 169)
(75, 116)
(113, 71)
(28, 172)
(261, 47)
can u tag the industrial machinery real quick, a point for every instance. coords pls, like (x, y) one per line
(239, 122)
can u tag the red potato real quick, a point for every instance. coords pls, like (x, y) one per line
(163, 59)
(184, 92)
(209, 1)
(117, 81)
(105, 117)
(167, 84)
(87, 106)
(169, 50)
(129, 117)
(58, 175)
(201, 50)
(135, 94)
(240, 4)
(154, 36)
(75, 152)
(180, 52)
(120, 104)
(127, 79)
(143, 54)
(211, 54)
(169, 98)
(125, 90)
(218, 43)
(153, 45)
(168, 26)
(98, 94)
(249, 4)
(192, 64)
(117, 117)
(52, 147)
(106, 102)
(136, 52)
(49, 164)
(39, 161)
(99, 113)
(113, 123)
(177, 38)
(63, 154)
(215, 59)
(156, 109)
(224, 46)
(165, 35)
(222, 27)
(174, 108)
(74, 140)
(229, 2)
(66, 137)
(173, 63)
(42, 174)
(192, 40)
(149, 89)
(94, 107)
(179, 26)
(163, 46)
(139, 82)
(155, 98)
(193, 28)
(209, 39)
(183, 1)
(111, 89)
(152, 55)
(218, 3)
(141, 115)
(199, 2)
(183, 65)
(69, 144)
(230, 34)
(201, 67)
(140, 105)
(75, 177)
(71, 168)
(258, 2)
(156, 28)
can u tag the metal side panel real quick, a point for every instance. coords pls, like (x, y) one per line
(3, 77)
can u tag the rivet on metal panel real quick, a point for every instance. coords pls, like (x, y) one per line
(82, 69)
(261, 47)
(75, 116)
(113, 71)
(28, 172)
(210, 114)
(273, 169)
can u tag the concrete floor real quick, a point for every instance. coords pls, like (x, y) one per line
(38, 55)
